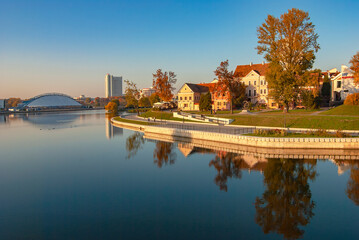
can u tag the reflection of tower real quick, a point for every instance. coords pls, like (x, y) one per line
(112, 131)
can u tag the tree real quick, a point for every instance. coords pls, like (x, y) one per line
(309, 100)
(164, 154)
(228, 166)
(144, 102)
(326, 88)
(352, 99)
(286, 203)
(116, 101)
(97, 102)
(355, 67)
(154, 98)
(205, 102)
(163, 84)
(226, 84)
(239, 94)
(132, 95)
(112, 107)
(288, 44)
(12, 102)
(87, 100)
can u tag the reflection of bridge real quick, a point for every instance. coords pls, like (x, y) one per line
(259, 152)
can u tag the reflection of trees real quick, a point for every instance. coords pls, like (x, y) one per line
(163, 154)
(134, 143)
(227, 167)
(286, 203)
(353, 184)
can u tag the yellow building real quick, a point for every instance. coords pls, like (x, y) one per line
(189, 96)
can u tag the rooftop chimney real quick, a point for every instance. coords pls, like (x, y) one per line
(250, 64)
(262, 62)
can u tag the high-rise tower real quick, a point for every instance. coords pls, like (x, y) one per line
(113, 86)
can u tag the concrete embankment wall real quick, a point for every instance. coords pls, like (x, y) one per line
(262, 142)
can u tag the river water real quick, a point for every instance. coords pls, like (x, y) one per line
(75, 176)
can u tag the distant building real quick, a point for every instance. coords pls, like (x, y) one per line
(343, 84)
(146, 92)
(113, 86)
(2, 104)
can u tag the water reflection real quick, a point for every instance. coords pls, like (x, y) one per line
(134, 143)
(286, 204)
(112, 131)
(353, 184)
(164, 154)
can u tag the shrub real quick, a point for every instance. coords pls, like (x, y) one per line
(352, 99)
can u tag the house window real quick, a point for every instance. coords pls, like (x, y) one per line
(180, 98)
(254, 92)
(249, 83)
(261, 82)
(273, 104)
(261, 91)
(185, 98)
(339, 84)
(265, 91)
(185, 105)
(255, 82)
(249, 93)
(190, 98)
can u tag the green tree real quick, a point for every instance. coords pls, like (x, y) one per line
(132, 95)
(239, 94)
(288, 44)
(309, 100)
(326, 87)
(286, 204)
(154, 98)
(144, 102)
(205, 102)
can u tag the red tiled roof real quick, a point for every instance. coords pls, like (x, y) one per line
(243, 70)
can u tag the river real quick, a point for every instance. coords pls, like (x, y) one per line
(75, 176)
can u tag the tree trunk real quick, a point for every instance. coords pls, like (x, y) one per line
(286, 108)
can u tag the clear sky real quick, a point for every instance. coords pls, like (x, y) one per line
(68, 46)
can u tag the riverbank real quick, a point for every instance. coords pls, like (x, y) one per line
(50, 111)
(253, 141)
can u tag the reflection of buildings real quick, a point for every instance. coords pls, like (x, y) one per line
(343, 166)
(112, 131)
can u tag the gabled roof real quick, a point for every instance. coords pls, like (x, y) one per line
(197, 88)
(243, 70)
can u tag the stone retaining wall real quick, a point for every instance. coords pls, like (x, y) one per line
(263, 142)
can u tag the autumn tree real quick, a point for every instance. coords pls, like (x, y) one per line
(226, 84)
(132, 94)
(239, 94)
(288, 44)
(112, 107)
(354, 62)
(12, 102)
(163, 83)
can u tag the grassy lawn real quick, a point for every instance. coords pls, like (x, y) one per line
(291, 112)
(346, 110)
(133, 121)
(297, 121)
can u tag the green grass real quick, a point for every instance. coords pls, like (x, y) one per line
(133, 121)
(345, 110)
(298, 121)
(292, 112)
(291, 135)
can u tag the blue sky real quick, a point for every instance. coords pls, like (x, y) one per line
(69, 46)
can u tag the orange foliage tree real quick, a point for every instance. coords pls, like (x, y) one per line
(226, 84)
(352, 99)
(163, 84)
(355, 67)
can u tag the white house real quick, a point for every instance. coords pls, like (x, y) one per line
(343, 84)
